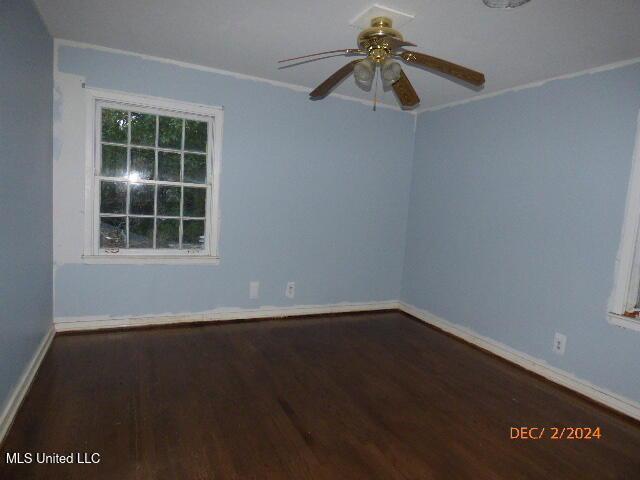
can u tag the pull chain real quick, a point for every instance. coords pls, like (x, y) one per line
(375, 89)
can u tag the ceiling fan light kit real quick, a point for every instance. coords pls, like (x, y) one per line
(391, 72)
(363, 73)
(381, 44)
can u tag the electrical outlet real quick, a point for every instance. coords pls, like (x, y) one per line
(559, 343)
(254, 290)
(290, 292)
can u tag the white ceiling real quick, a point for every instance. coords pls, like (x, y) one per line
(543, 39)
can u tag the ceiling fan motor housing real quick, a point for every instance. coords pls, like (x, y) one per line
(372, 39)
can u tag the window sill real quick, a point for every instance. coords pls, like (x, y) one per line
(149, 260)
(623, 321)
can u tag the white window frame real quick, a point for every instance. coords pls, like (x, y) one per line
(623, 311)
(95, 99)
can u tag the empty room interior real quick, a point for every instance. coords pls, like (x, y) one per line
(287, 239)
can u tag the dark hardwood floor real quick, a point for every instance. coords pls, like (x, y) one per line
(369, 396)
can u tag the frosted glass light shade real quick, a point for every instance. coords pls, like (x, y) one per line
(363, 73)
(504, 3)
(391, 72)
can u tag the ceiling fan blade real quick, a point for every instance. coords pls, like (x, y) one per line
(405, 92)
(308, 60)
(448, 68)
(346, 51)
(325, 87)
(395, 44)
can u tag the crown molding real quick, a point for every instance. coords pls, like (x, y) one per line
(526, 86)
(58, 42)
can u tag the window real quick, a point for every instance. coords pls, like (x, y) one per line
(153, 168)
(624, 303)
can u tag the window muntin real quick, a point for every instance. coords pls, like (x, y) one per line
(153, 181)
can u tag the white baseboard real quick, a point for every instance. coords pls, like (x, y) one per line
(601, 395)
(22, 387)
(70, 324)
(598, 394)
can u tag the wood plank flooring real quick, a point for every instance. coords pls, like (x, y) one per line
(367, 396)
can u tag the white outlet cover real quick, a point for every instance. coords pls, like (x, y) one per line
(290, 292)
(398, 18)
(559, 343)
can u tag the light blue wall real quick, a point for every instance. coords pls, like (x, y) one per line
(314, 192)
(26, 86)
(515, 215)
(515, 209)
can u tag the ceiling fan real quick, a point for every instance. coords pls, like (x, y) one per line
(381, 44)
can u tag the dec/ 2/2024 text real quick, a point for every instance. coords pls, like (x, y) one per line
(555, 433)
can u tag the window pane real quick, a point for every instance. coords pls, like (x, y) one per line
(169, 166)
(114, 125)
(140, 232)
(168, 235)
(114, 161)
(193, 234)
(194, 202)
(168, 201)
(141, 199)
(142, 164)
(170, 132)
(195, 136)
(195, 168)
(143, 129)
(113, 197)
(139, 150)
(113, 232)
